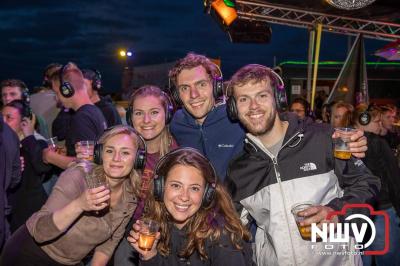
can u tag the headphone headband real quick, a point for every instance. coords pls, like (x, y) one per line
(159, 180)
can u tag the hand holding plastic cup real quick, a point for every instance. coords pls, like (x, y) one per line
(52, 143)
(305, 231)
(84, 149)
(147, 233)
(342, 149)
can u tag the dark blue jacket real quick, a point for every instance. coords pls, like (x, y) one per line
(218, 138)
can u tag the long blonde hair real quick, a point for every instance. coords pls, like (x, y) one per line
(209, 222)
(134, 175)
(151, 90)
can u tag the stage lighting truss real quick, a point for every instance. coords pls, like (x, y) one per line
(257, 11)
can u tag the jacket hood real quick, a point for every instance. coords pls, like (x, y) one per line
(218, 113)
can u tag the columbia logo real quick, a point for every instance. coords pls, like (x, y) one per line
(308, 167)
(225, 146)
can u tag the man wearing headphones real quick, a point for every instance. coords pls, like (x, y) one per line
(93, 84)
(87, 123)
(15, 89)
(201, 123)
(286, 161)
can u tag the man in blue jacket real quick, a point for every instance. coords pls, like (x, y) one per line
(203, 123)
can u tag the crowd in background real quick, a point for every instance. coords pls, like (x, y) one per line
(233, 181)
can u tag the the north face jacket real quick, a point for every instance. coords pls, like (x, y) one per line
(266, 187)
(218, 138)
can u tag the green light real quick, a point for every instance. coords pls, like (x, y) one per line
(338, 63)
(229, 3)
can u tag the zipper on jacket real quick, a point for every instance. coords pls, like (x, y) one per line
(203, 144)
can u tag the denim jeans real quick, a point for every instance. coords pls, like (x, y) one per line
(393, 256)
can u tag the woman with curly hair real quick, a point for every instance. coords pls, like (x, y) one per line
(198, 223)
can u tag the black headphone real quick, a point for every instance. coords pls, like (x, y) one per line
(159, 180)
(140, 159)
(218, 87)
(96, 81)
(278, 87)
(169, 108)
(66, 88)
(365, 117)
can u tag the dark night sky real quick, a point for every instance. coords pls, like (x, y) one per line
(36, 33)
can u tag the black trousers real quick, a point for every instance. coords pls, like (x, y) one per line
(22, 250)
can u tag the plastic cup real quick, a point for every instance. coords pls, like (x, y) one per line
(341, 149)
(305, 231)
(84, 149)
(52, 143)
(147, 233)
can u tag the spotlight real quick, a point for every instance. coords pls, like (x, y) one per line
(122, 53)
(129, 53)
(226, 10)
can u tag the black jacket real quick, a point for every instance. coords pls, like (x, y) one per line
(220, 253)
(380, 160)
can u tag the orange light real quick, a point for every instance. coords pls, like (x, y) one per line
(228, 14)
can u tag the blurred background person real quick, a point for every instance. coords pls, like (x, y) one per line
(301, 108)
(381, 161)
(341, 114)
(92, 78)
(77, 219)
(10, 174)
(29, 195)
(389, 132)
(15, 89)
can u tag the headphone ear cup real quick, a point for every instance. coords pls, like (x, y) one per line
(364, 118)
(169, 113)
(158, 187)
(98, 149)
(280, 98)
(67, 90)
(128, 115)
(175, 96)
(140, 160)
(208, 195)
(232, 110)
(218, 87)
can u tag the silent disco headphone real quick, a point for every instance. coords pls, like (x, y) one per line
(278, 88)
(169, 108)
(66, 88)
(365, 117)
(96, 82)
(159, 179)
(218, 86)
(140, 158)
(23, 107)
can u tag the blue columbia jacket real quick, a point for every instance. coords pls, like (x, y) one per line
(218, 138)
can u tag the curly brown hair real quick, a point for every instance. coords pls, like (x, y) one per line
(209, 222)
(192, 60)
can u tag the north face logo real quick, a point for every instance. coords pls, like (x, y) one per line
(308, 167)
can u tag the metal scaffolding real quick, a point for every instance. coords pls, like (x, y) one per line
(256, 11)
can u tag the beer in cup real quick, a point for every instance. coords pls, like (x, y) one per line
(341, 149)
(305, 231)
(147, 233)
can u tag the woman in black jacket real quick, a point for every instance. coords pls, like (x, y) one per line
(198, 223)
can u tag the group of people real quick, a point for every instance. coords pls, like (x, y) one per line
(207, 173)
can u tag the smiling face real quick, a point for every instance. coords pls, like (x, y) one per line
(196, 92)
(119, 154)
(183, 193)
(148, 117)
(256, 106)
(12, 118)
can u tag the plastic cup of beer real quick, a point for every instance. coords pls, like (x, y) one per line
(52, 143)
(84, 149)
(147, 233)
(305, 231)
(342, 150)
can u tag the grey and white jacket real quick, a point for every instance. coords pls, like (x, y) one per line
(266, 187)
